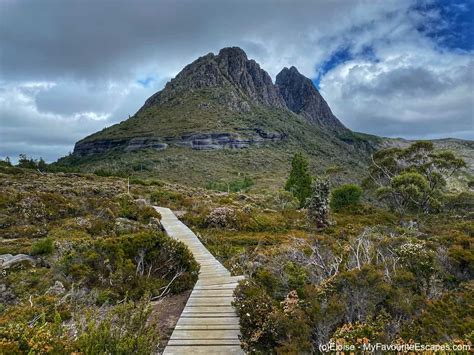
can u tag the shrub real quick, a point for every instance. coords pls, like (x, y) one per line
(35, 327)
(133, 264)
(166, 198)
(413, 178)
(6, 162)
(125, 329)
(26, 163)
(107, 173)
(128, 208)
(460, 202)
(232, 186)
(147, 212)
(285, 200)
(42, 247)
(345, 195)
(221, 217)
(267, 328)
(448, 318)
(254, 308)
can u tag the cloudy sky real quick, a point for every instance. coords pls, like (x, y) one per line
(401, 68)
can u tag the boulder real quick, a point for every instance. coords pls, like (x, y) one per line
(9, 260)
(57, 289)
(141, 202)
(155, 224)
(125, 226)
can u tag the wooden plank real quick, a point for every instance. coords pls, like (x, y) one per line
(208, 326)
(207, 314)
(205, 334)
(216, 287)
(210, 321)
(174, 342)
(209, 309)
(203, 349)
(210, 301)
(213, 292)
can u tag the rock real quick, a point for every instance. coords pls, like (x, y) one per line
(83, 222)
(9, 260)
(180, 214)
(141, 202)
(155, 224)
(125, 226)
(145, 143)
(243, 138)
(6, 295)
(413, 225)
(248, 76)
(57, 289)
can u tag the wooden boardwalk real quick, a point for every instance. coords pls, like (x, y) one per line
(208, 323)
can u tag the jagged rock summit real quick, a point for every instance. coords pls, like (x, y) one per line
(302, 97)
(232, 69)
(229, 69)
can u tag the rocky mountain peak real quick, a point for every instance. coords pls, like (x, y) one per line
(302, 97)
(243, 79)
(238, 83)
(233, 52)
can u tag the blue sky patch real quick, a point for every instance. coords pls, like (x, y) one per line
(337, 58)
(146, 81)
(453, 28)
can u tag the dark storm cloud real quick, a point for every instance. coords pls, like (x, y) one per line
(69, 68)
(97, 39)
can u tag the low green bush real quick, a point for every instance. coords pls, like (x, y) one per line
(125, 329)
(231, 186)
(165, 197)
(107, 173)
(344, 196)
(131, 265)
(42, 247)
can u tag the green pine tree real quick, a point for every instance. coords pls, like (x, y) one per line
(299, 181)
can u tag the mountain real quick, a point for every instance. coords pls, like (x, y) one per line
(222, 117)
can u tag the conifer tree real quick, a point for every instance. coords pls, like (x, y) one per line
(299, 181)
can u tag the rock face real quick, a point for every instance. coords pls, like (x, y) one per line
(197, 141)
(302, 97)
(230, 69)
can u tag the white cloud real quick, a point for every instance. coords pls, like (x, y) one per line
(412, 91)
